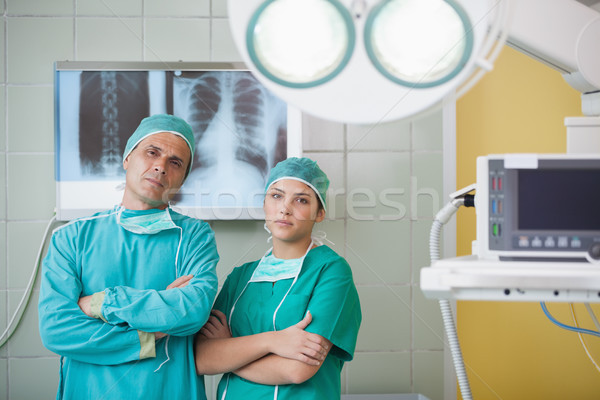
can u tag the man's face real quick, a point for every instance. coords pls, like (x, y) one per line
(155, 170)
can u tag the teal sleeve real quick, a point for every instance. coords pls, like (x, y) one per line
(178, 312)
(64, 328)
(335, 308)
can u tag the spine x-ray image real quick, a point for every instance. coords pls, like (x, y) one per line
(111, 106)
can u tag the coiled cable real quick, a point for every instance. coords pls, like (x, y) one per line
(448, 319)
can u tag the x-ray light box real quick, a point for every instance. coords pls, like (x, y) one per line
(241, 130)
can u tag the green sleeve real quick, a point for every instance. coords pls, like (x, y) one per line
(335, 307)
(226, 295)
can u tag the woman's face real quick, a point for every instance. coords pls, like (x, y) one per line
(291, 209)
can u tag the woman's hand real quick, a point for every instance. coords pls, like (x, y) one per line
(297, 344)
(216, 327)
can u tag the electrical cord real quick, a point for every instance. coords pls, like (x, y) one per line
(18, 315)
(588, 307)
(441, 218)
(575, 328)
(587, 351)
(564, 326)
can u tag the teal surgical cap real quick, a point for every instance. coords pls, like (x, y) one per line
(162, 123)
(304, 170)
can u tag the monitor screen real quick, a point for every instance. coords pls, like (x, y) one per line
(567, 199)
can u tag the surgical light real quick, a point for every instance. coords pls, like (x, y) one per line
(418, 43)
(300, 43)
(367, 61)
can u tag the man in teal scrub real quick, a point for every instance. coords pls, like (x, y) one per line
(123, 291)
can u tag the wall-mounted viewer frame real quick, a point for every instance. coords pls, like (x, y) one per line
(241, 130)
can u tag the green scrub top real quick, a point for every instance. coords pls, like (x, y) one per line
(326, 288)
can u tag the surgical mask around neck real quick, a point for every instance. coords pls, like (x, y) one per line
(273, 269)
(146, 224)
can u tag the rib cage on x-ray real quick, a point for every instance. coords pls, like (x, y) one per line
(238, 125)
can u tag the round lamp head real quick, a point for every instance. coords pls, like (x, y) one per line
(300, 43)
(418, 43)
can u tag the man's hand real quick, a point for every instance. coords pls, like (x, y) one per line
(216, 327)
(85, 304)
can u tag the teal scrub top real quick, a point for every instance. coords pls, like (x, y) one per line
(326, 288)
(105, 359)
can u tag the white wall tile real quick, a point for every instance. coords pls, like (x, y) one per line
(420, 249)
(379, 373)
(334, 235)
(3, 323)
(427, 132)
(428, 327)
(177, 39)
(31, 119)
(189, 8)
(45, 371)
(3, 277)
(2, 52)
(3, 187)
(379, 251)
(427, 184)
(114, 8)
(428, 374)
(26, 341)
(39, 7)
(378, 186)
(386, 313)
(23, 242)
(320, 134)
(120, 39)
(3, 378)
(34, 44)
(3, 136)
(219, 8)
(238, 242)
(31, 187)
(380, 136)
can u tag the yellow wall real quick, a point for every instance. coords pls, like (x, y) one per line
(511, 350)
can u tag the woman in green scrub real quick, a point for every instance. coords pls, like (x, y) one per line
(283, 326)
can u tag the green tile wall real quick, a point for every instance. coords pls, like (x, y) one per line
(386, 180)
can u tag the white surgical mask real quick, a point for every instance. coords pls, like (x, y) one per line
(146, 224)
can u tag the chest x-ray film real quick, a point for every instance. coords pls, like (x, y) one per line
(241, 129)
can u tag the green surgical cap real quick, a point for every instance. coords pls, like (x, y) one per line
(162, 123)
(304, 170)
